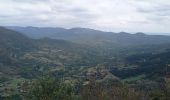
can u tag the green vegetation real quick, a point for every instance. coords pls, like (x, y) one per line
(133, 79)
(92, 70)
(48, 88)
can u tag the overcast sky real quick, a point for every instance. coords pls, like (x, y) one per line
(109, 15)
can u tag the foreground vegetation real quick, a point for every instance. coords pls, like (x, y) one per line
(50, 88)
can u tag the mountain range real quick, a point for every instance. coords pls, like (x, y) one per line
(79, 53)
(91, 36)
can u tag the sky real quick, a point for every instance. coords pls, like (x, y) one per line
(152, 16)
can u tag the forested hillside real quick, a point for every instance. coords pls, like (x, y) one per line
(86, 64)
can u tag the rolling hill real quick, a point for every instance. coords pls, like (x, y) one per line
(78, 53)
(93, 37)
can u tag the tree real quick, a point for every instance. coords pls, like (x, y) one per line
(48, 88)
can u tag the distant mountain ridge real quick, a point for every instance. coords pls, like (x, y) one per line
(14, 40)
(92, 37)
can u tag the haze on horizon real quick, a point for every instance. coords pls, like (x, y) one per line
(151, 16)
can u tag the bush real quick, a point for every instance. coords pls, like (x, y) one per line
(48, 88)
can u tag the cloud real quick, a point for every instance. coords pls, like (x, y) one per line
(155, 9)
(109, 15)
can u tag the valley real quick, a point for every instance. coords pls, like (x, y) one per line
(80, 55)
